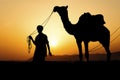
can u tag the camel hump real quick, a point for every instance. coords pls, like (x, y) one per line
(98, 19)
(85, 18)
(93, 20)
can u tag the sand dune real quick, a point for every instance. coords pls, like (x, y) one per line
(65, 62)
(93, 57)
(74, 58)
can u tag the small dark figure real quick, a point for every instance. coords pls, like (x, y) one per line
(40, 42)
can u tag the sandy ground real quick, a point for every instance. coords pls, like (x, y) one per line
(93, 57)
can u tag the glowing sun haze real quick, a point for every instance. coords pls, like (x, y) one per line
(19, 18)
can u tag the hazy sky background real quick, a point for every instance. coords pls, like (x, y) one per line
(19, 18)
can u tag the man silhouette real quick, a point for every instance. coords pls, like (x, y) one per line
(40, 42)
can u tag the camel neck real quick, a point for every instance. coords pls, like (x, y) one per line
(67, 24)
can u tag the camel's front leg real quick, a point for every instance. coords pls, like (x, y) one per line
(80, 49)
(86, 50)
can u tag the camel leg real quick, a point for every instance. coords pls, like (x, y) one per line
(86, 50)
(108, 52)
(106, 46)
(80, 49)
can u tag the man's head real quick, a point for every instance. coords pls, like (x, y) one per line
(40, 28)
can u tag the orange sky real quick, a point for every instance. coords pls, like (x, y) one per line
(19, 18)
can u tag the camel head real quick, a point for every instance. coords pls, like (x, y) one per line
(60, 9)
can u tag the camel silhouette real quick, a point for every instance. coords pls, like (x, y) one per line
(85, 30)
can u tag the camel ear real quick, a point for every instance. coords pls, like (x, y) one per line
(66, 6)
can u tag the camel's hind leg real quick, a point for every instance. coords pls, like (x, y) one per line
(104, 37)
(108, 52)
(106, 46)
